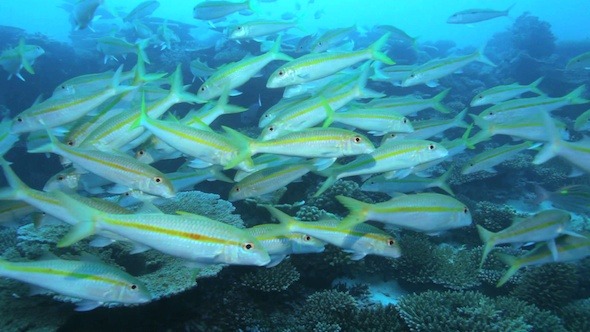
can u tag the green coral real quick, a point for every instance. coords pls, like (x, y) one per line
(576, 315)
(550, 286)
(327, 307)
(276, 279)
(310, 213)
(493, 217)
(540, 320)
(379, 318)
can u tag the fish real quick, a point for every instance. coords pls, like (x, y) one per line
(432, 70)
(582, 122)
(486, 160)
(569, 248)
(7, 137)
(82, 13)
(426, 129)
(388, 158)
(93, 283)
(579, 63)
(255, 29)
(477, 15)
(359, 240)
(119, 168)
(529, 128)
(13, 212)
(192, 237)
(502, 93)
(272, 112)
(391, 74)
(397, 34)
(23, 56)
(318, 65)
(73, 180)
(268, 180)
(510, 110)
(112, 47)
(142, 10)
(57, 111)
(375, 122)
(574, 198)
(233, 75)
(331, 39)
(89, 83)
(280, 243)
(200, 69)
(544, 226)
(212, 10)
(430, 213)
(411, 183)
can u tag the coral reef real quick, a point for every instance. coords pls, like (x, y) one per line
(576, 315)
(275, 279)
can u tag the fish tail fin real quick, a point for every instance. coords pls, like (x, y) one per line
(329, 112)
(358, 211)
(551, 148)
(23, 59)
(276, 51)
(86, 216)
(508, 9)
(458, 120)
(223, 103)
(143, 116)
(375, 50)
(437, 105)
(465, 137)
(53, 146)
(254, 6)
(284, 219)
(219, 176)
(442, 182)
(140, 47)
(541, 194)
(487, 238)
(327, 184)
(582, 120)
(177, 89)
(484, 133)
(116, 82)
(17, 186)
(481, 57)
(244, 144)
(534, 87)
(140, 74)
(514, 267)
(575, 97)
(7, 138)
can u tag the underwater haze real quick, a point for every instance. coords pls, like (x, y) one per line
(294, 165)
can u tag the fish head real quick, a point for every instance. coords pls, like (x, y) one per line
(479, 100)
(356, 143)
(133, 291)
(456, 18)
(489, 115)
(272, 131)
(236, 193)
(158, 185)
(462, 218)
(371, 184)
(414, 78)
(431, 151)
(239, 32)
(65, 181)
(384, 245)
(282, 77)
(306, 244)
(207, 91)
(249, 252)
(22, 124)
(468, 168)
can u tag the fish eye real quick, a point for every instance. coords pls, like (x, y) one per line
(238, 28)
(390, 242)
(237, 189)
(320, 44)
(412, 75)
(70, 143)
(431, 147)
(491, 113)
(480, 97)
(19, 119)
(248, 246)
(281, 73)
(133, 286)
(140, 152)
(307, 238)
(203, 88)
(271, 128)
(405, 120)
(127, 193)
(471, 164)
(357, 139)
(158, 179)
(465, 210)
(61, 178)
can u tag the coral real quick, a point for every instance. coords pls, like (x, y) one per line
(455, 311)
(456, 268)
(533, 36)
(326, 201)
(327, 307)
(379, 318)
(310, 213)
(549, 286)
(576, 315)
(493, 217)
(275, 279)
(416, 264)
(540, 320)
(552, 174)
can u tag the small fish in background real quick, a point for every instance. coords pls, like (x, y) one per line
(93, 283)
(502, 93)
(214, 10)
(82, 13)
(580, 62)
(477, 15)
(23, 56)
(569, 248)
(486, 160)
(200, 69)
(142, 10)
(544, 226)
(574, 198)
(411, 183)
(582, 122)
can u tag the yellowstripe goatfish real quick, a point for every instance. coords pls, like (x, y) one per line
(192, 237)
(425, 212)
(544, 226)
(317, 65)
(569, 248)
(279, 242)
(486, 160)
(501, 93)
(94, 283)
(119, 168)
(390, 157)
(57, 111)
(360, 240)
(235, 74)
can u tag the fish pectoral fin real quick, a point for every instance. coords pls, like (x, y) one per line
(87, 305)
(275, 260)
(432, 84)
(139, 248)
(572, 233)
(357, 255)
(553, 249)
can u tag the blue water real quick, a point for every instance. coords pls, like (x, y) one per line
(436, 285)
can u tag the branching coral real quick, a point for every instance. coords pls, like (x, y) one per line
(275, 279)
